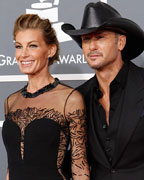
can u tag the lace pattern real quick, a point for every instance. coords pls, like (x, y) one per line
(77, 126)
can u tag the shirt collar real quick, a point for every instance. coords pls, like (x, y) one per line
(121, 77)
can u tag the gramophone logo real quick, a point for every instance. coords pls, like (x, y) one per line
(105, 1)
(49, 10)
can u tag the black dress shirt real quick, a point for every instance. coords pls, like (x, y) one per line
(105, 133)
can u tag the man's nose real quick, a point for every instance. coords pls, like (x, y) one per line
(93, 44)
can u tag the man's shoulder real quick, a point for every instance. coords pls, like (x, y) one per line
(86, 86)
(137, 69)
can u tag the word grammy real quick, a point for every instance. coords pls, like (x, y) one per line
(7, 60)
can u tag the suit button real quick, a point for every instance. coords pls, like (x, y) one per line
(108, 150)
(107, 139)
(104, 126)
(110, 159)
(113, 171)
(99, 104)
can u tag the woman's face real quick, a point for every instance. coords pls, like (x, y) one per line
(32, 52)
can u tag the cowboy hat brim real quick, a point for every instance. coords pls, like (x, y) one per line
(135, 36)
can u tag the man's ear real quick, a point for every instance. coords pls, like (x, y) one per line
(121, 42)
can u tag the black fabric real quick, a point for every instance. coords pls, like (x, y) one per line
(128, 155)
(107, 133)
(40, 160)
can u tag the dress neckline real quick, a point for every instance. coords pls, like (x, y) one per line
(40, 91)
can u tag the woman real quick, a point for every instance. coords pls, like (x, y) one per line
(42, 116)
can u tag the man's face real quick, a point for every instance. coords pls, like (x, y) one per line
(102, 48)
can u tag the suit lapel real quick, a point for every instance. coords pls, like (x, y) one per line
(94, 144)
(131, 111)
(96, 148)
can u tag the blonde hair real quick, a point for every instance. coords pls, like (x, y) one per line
(33, 21)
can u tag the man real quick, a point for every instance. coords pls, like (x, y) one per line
(115, 95)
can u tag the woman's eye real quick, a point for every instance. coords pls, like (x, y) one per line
(18, 46)
(33, 46)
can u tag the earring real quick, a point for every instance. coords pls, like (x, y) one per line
(50, 58)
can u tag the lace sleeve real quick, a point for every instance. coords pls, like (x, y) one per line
(75, 115)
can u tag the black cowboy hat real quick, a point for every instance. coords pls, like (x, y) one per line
(100, 16)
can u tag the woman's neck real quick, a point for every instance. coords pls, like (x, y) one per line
(36, 82)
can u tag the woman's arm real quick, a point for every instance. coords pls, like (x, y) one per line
(7, 175)
(75, 114)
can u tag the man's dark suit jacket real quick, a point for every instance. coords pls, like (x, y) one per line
(128, 157)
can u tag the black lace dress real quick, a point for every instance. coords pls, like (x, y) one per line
(37, 129)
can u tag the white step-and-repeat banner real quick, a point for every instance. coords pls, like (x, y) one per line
(72, 67)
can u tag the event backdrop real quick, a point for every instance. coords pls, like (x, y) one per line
(72, 67)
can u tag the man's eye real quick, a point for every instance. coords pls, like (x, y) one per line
(99, 37)
(86, 39)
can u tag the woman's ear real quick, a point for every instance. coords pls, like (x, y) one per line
(52, 50)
